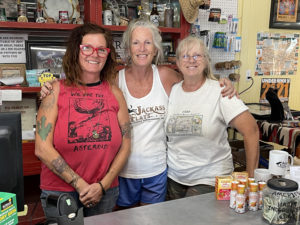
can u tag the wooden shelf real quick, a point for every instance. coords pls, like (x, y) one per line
(39, 26)
(24, 89)
(162, 29)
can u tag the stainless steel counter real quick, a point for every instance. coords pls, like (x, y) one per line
(196, 210)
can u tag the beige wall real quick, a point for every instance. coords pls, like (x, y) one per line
(254, 17)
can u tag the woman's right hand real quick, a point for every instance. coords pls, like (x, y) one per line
(46, 89)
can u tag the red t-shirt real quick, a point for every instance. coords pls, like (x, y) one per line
(87, 134)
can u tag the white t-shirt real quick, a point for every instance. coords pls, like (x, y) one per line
(196, 125)
(148, 156)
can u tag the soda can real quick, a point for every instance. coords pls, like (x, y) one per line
(107, 17)
(63, 16)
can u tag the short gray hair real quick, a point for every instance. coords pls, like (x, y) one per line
(155, 36)
(189, 43)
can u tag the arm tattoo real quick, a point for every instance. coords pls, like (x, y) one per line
(42, 129)
(59, 166)
(126, 130)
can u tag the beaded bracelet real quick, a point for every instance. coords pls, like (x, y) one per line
(103, 190)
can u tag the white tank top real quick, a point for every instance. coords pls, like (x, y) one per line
(148, 140)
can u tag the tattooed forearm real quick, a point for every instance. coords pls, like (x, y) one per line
(45, 105)
(126, 130)
(59, 166)
(42, 129)
(74, 180)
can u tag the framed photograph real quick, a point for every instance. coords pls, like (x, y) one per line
(284, 14)
(167, 48)
(9, 72)
(45, 55)
(10, 7)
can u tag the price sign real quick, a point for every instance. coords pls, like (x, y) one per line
(282, 85)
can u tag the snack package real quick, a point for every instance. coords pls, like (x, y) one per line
(223, 187)
(240, 175)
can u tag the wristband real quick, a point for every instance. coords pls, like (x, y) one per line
(103, 190)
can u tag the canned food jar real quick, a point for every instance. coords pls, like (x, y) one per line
(281, 201)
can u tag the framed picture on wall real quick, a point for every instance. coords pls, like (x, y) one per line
(167, 48)
(284, 14)
(45, 55)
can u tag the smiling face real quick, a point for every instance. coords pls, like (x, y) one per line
(142, 49)
(93, 64)
(192, 60)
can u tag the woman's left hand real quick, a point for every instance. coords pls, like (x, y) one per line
(228, 89)
(91, 195)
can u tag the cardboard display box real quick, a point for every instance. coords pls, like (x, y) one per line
(8, 209)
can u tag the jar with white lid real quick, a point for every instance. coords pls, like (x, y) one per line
(281, 202)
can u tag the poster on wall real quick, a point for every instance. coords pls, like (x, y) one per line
(276, 54)
(287, 10)
(282, 85)
(12, 48)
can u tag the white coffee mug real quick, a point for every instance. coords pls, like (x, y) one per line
(262, 174)
(278, 162)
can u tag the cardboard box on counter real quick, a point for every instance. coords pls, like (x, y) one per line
(8, 209)
(223, 187)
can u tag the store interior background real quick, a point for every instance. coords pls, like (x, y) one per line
(254, 17)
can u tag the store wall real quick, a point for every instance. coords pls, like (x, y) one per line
(254, 17)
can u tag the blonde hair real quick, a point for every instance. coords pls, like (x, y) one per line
(188, 44)
(127, 35)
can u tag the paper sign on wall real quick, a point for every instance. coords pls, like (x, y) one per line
(12, 48)
(282, 85)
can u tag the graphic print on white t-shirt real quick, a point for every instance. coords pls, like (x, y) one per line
(140, 113)
(184, 124)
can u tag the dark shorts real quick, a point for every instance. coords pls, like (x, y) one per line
(147, 190)
(176, 190)
(106, 204)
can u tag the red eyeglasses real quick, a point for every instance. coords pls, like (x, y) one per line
(89, 50)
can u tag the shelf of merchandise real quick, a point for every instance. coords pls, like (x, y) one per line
(162, 29)
(37, 26)
(180, 33)
(93, 14)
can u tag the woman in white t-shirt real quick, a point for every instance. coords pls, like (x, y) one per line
(196, 126)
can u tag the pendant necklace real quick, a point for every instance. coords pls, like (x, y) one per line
(94, 132)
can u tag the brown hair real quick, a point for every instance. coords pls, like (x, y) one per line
(71, 64)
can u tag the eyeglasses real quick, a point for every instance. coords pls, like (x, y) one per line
(186, 58)
(89, 50)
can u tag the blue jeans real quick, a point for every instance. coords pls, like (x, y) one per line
(106, 204)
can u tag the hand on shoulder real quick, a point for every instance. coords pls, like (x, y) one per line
(168, 77)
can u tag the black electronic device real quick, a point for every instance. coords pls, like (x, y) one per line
(277, 111)
(11, 159)
(67, 209)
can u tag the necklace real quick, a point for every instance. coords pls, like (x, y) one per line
(95, 133)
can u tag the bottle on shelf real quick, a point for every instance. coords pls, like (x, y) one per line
(169, 14)
(141, 12)
(21, 6)
(154, 16)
